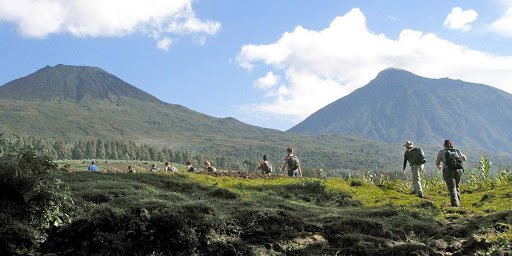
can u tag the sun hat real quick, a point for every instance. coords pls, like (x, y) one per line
(408, 144)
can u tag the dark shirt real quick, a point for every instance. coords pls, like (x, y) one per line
(406, 157)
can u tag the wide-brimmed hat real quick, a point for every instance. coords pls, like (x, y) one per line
(408, 144)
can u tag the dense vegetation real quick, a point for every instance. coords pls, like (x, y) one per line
(32, 199)
(184, 214)
(377, 160)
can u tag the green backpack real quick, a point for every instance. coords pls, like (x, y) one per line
(416, 156)
(453, 160)
(293, 162)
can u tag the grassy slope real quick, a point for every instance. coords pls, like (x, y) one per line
(224, 215)
(178, 128)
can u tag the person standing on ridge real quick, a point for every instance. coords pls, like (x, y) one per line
(416, 159)
(291, 163)
(452, 167)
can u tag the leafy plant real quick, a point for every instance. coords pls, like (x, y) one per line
(30, 195)
(484, 167)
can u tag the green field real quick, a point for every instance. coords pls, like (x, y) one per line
(184, 214)
(63, 209)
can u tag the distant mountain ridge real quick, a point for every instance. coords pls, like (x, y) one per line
(71, 82)
(398, 106)
(74, 103)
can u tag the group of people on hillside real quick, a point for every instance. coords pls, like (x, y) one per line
(291, 164)
(171, 168)
(449, 160)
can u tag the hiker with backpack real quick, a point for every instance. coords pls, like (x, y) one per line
(154, 168)
(453, 167)
(191, 168)
(170, 168)
(416, 159)
(265, 166)
(209, 168)
(291, 163)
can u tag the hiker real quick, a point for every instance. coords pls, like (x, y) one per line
(208, 168)
(452, 170)
(291, 163)
(191, 168)
(130, 170)
(154, 168)
(416, 159)
(170, 168)
(265, 166)
(92, 167)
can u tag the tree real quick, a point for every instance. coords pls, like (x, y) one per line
(78, 150)
(63, 150)
(100, 149)
(90, 149)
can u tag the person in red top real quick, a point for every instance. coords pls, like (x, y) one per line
(291, 163)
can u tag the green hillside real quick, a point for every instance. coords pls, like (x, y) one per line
(398, 106)
(46, 209)
(70, 103)
(78, 103)
(185, 214)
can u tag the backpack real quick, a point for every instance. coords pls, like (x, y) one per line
(173, 168)
(211, 169)
(453, 160)
(293, 162)
(267, 167)
(192, 169)
(416, 156)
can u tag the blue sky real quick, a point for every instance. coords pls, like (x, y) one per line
(266, 63)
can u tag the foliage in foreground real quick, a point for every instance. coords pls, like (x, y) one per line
(31, 198)
(183, 214)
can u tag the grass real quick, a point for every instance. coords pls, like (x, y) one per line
(225, 215)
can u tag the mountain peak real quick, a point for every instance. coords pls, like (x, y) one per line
(398, 106)
(392, 70)
(72, 82)
(394, 75)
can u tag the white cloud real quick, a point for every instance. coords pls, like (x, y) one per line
(322, 66)
(459, 19)
(503, 25)
(164, 43)
(267, 81)
(94, 18)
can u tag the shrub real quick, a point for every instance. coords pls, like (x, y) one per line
(30, 196)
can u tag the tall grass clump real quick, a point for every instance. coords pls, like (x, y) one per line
(480, 179)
